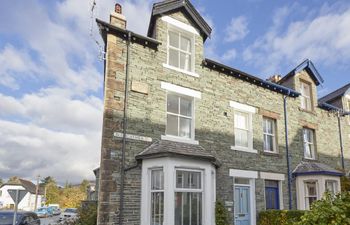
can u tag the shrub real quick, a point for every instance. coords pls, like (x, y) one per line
(87, 214)
(280, 217)
(221, 214)
(345, 183)
(329, 210)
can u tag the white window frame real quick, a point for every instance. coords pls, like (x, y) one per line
(250, 111)
(307, 195)
(334, 184)
(169, 166)
(310, 144)
(155, 191)
(179, 115)
(306, 98)
(172, 88)
(273, 135)
(184, 190)
(184, 30)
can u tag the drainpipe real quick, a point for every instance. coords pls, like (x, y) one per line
(287, 151)
(341, 141)
(125, 123)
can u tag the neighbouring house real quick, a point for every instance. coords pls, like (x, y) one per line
(181, 131)
(28, 202)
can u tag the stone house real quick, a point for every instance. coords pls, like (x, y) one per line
(181, 132)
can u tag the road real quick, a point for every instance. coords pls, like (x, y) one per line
(49, 221)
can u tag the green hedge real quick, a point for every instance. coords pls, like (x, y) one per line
(280, 217)
(221, 214)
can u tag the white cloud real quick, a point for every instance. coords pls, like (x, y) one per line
(324, 39)
(229, 55)
(27, 150)
(15, 62)
(237, 29)
(61, 137)
(55, 130)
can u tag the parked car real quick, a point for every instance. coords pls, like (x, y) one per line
(68, 214)
(23, 218)
(55, 210)
(44, 212)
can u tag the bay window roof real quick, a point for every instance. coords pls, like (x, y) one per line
(315, 168)
(165, 148)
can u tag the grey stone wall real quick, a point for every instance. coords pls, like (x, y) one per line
(213, 123)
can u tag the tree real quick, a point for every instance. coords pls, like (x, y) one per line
(331, 209)
(84, 185)
(52, 190)
(1, 182)
(71, 197)
(47, 180)
(14, 180)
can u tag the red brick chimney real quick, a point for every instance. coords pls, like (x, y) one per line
(117, 18)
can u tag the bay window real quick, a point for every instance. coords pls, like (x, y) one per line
(310, 193)
(309, 147)
(177, 191)
(331, 186)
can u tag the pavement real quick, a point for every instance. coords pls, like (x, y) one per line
(49, 221)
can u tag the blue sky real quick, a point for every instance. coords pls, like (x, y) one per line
(51, 74)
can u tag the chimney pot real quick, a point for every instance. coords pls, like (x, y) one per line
(275, 78)
(118, 8)
(117, 18)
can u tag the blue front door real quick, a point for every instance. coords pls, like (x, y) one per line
(242, 205)
(272, 194)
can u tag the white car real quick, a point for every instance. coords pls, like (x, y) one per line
(69, 214)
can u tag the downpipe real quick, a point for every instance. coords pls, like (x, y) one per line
(125, 124)
(287, 152)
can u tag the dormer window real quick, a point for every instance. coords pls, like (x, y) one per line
(305, 90)
(180, 54)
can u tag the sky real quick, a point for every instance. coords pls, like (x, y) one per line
(51, 68)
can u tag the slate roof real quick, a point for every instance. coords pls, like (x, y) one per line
(213, 65)
(185, 6)
(309, 67)
(165, 148)
(315, 168)
(28, 185)
(335, 94)
(105, 28)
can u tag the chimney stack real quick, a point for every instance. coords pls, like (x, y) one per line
(117, 18)
(275, 78)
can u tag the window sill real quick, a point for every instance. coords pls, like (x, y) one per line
(242, 149)
(309, 159)
(180, 70)
(307, 111)
(268, 153)
(179, 139)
